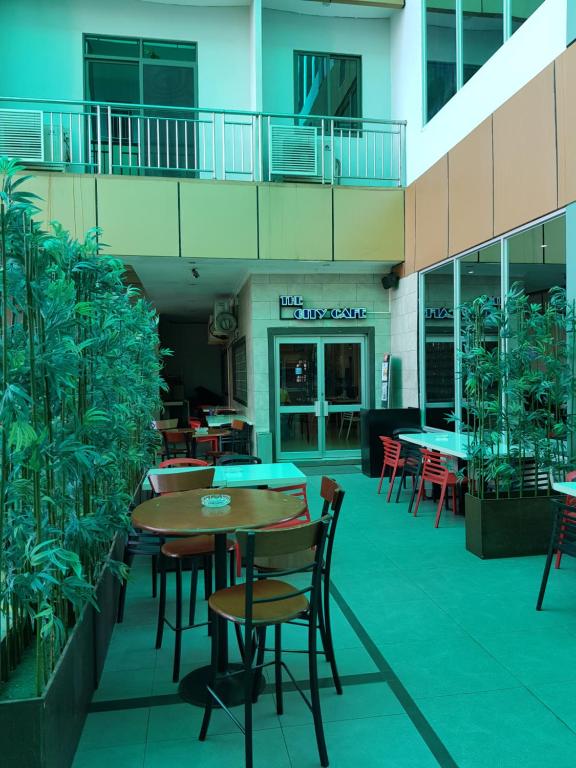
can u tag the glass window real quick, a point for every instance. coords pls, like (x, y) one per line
(327, 84)
(537, 257)
(440, 53)
(482, 33)
(521, 10)
(111, 47)
(439, 345)
(155, 49)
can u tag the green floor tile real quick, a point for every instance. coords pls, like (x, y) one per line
(370, 743)
(114, 729)
(129, 756)
(504, 729)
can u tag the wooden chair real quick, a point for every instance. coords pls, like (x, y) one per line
(165, 423)
(265, 601)
(392, 460)
(237, 442)
(176, 443)
(197, 551)
(435, 471)
(332, 497)
(570, 501)
(562, 541)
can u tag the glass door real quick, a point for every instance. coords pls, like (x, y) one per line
(320, 386)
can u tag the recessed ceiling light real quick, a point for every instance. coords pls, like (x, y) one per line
(470, 271)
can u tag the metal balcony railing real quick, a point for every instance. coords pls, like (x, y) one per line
(142, 139)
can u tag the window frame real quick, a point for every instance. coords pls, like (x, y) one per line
(328, 55)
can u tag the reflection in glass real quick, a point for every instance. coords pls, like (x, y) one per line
(343, 431)
(298, 432)
(537, 257)
(482, 33)
(342, 373)
(523, 9)
(327, 85)
(439, 344)
(440, 53)
(298, 374)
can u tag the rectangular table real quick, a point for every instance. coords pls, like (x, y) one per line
(241, 475)
(451, 443)
(563, 487)
(220, 419)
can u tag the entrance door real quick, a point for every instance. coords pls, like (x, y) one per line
(320, 386)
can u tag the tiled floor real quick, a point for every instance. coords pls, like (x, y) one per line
(444, 658)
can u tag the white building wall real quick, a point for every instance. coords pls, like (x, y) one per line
(284, 33)
(404, 343)
(530, 49)
(41, 44)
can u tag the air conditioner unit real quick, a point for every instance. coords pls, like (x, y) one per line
(293, 150)
(22, 134)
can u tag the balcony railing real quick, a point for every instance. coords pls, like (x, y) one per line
(142, 139)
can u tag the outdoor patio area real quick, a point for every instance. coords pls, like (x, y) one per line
(443, 658)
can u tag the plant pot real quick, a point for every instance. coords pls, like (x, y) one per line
(43, 732)
(508, 527)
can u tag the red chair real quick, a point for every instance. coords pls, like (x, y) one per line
(183, 462)
(392, 460)
(299, 491)
(435, 471)
(570, 502)
(209, 440)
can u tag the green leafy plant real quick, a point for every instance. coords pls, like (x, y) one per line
(519, 377)
(79, 387)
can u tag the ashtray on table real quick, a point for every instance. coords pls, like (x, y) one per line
(216, 500)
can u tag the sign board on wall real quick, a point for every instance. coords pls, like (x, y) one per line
(385, 396)
(292, 308)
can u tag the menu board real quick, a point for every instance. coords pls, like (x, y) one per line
(240, 372)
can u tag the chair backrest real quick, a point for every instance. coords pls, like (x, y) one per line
(283, 541)
(570, 501)
(238, 425)
(237, 458)
(332, 496)
(412, 459)
(434, 467)
(563, 537)
(194, 423)
(165, 423)
(181, 481)
(299, 491)
(183, 462)
(174, 437)
(391, 450)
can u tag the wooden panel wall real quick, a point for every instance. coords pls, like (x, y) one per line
(516, 166)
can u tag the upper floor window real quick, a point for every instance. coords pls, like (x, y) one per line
(461, 37)
(137, 71)
(327, 84)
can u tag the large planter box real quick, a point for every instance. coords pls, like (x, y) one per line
(43, 732)
(508, 527)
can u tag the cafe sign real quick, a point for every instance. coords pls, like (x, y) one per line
(294, 306)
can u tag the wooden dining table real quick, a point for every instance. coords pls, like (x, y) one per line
(179, 514)
(191, 434)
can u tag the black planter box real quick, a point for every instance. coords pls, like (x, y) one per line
(508, 527)
(43, 732)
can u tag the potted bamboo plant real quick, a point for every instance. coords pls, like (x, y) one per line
(79, 386)
(517, 364)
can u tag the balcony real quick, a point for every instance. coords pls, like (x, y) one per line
(147, 140)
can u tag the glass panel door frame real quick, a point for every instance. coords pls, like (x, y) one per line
(307, 336)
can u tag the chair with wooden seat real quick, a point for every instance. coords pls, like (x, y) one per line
(183, 462)
(209, 440)
(562, 540)
(332, 497)
(195, 551)
(392, 460)
(263, 601)
(238, 441)
(435, 470)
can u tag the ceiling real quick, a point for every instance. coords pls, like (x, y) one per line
(175, 292)
(309, 7)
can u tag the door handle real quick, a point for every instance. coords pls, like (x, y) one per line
(317, 409)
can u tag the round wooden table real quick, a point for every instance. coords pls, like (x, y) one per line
(183, 514)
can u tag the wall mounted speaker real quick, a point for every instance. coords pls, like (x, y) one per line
(390, 281)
